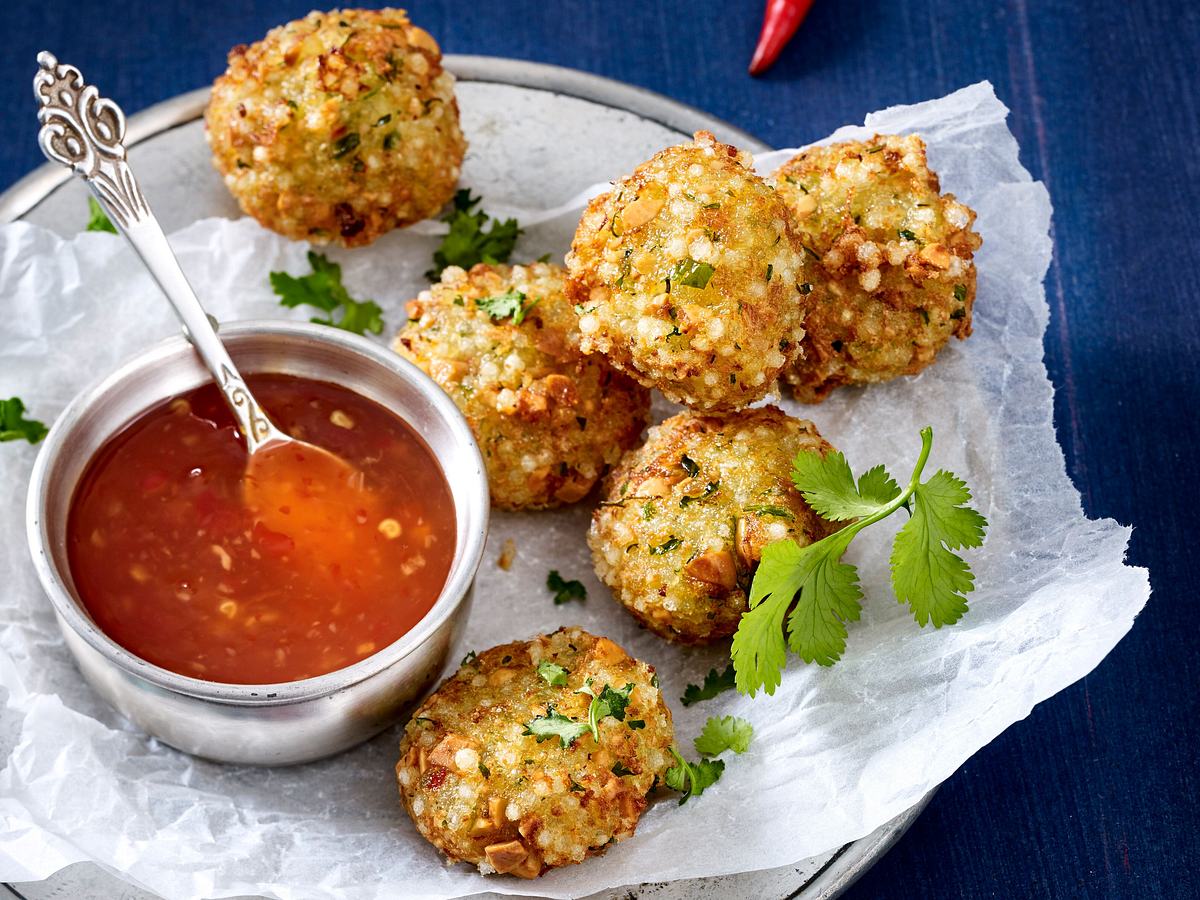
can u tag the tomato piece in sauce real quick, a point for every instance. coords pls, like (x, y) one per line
(172, 565)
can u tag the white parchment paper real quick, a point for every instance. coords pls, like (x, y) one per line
(837, 752)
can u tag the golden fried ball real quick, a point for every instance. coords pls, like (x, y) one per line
(548, 419)
(686, 517)
(484, 790)
(896, 262)
(689, 276)
(338, 127)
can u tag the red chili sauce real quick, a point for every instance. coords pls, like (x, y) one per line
(173, 565)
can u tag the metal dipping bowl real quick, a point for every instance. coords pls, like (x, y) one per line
(260, 724)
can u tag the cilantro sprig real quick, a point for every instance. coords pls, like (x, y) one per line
(719, 735)
(467, 242)
(15, 427)
(608, 702)
(692, 778)
(818, 594)
(714, 683)
(323, 289)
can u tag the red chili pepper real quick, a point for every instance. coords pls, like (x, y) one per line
(780, 22)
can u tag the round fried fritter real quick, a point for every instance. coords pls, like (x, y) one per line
(689, 276)
(896, 262)
(686, 516)
(337, 127)
(483, 789)
(548, 419)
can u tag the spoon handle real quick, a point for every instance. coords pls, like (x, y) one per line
(85, 132)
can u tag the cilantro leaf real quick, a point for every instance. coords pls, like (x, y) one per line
(692, 778)
(818, 594)
(876, 486)
(828, 598)
(467, 243)
(714, 683)
(926, 573)
(15, 427)
(828, 486)
(608, 702)
(555, 724)
(565, 591)
(691, 273)
(725, 733)
(323, 289)
(552, 673)
(510, 303)
(98, 220)
(613, 703)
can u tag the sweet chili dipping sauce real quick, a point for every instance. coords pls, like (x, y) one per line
(173, 565)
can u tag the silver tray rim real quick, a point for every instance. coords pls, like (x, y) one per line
(851, 860)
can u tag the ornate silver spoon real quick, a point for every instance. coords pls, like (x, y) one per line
(85, 132)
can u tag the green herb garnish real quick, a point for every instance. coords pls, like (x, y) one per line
(556, 725)
(666, 547)
(823, 593)
(608, 702)
(692, 274)
(323, 289)
(15, 427)
(510, 303)
(552, 673)
(692, 778)
(565, 591)
(468, 242)
(714, 683)
(98, 220)
(725, 733)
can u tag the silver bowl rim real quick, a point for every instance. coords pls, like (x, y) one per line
(467, 555)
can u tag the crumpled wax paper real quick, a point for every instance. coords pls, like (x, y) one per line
(837, 751)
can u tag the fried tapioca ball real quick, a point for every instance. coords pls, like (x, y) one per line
(689, 276)
(482, 789)
(549, 420)
(686, 516)
(896, 262)
(337, 127)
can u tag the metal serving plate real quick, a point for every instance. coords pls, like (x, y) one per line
(596, 127)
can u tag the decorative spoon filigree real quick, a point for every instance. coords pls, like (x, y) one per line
(86, 132)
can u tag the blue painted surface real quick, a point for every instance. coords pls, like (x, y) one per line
(1097, 794)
